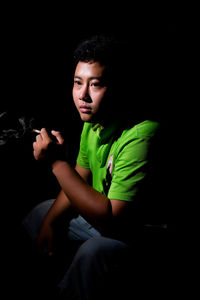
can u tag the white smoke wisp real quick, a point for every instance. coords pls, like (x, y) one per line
(22, 126)
(3, 114)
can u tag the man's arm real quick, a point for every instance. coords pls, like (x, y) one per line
(62, 203)
(95, 207)
(60, 206)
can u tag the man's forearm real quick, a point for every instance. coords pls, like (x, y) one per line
(61, 205)
(91, 204)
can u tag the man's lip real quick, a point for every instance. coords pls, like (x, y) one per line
(85, 109)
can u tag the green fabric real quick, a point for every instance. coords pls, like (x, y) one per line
(117, 160)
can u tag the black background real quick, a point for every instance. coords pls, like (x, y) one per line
(37, 43)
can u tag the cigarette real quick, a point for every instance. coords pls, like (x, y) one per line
(36, 130)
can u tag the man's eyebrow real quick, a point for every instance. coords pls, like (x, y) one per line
(90, 78)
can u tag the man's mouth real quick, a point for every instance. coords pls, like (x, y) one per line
(85, 109)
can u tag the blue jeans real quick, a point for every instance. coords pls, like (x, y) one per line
(77, 229)
(97, 261)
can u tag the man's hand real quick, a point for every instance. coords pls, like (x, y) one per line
(44, 148)
(44, 243)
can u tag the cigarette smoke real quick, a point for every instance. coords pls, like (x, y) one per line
(21, 127)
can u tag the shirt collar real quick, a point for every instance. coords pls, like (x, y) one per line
(104, 133)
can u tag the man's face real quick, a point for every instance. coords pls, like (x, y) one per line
(89, 90)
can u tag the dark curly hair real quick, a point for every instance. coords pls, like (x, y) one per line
(108, 50)
(100, 48)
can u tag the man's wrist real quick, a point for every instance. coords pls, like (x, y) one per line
(57, 164)
(55, 153)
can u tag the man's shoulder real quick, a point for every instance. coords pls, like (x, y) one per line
(147, 128)
(142, 129)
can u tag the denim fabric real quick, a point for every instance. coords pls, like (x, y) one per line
(95, 258)
(33, 220)
(96, 270)
(77, 229)
(80, 229)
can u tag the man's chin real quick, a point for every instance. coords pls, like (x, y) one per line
(91, 118)
(86, 118)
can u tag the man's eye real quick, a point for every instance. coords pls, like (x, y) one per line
(95, 84)
(78, 82)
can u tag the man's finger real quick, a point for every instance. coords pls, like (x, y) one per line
(58, 135)
(44, 134)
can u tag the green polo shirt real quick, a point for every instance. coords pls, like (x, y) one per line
(117, 158)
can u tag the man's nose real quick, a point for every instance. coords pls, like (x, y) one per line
(84, 94)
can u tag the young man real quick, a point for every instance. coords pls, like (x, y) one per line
(103, 190)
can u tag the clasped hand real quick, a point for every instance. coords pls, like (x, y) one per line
(44, 148)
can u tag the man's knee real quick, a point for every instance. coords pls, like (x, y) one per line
(101, 250)
(33, 220)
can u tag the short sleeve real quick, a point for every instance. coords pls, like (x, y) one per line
(129, 169)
